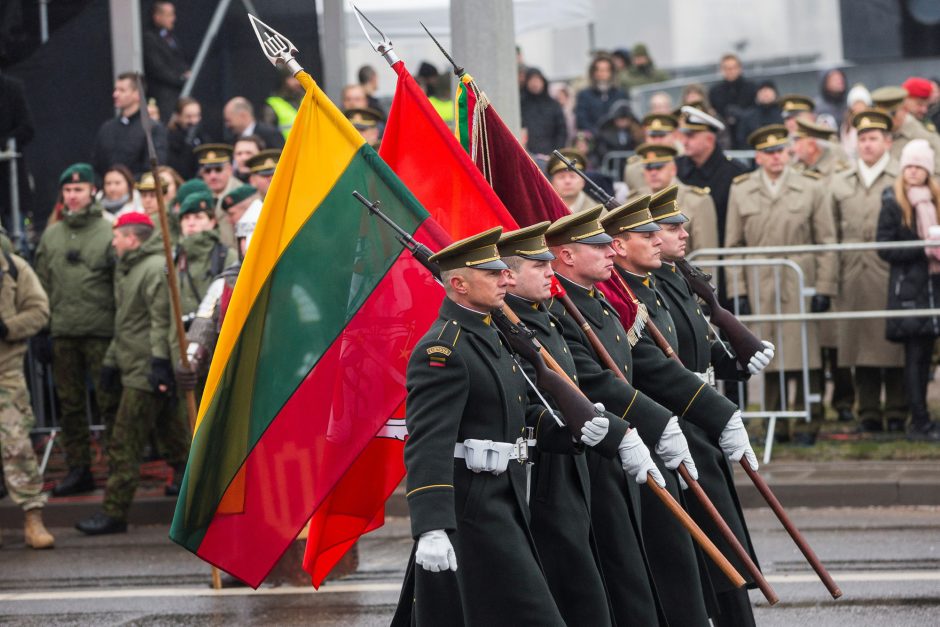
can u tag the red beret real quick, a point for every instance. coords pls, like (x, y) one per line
(917, 87)
(133, 217)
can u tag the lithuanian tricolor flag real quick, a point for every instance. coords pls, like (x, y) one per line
(311, 359)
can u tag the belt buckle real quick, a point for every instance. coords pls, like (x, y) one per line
(521, 448)
(710, 373)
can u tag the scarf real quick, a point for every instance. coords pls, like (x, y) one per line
(869, 174)
(925, 213)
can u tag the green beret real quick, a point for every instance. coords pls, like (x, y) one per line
(78, 173)
(237, 195)
(196, 202)
(191, 186)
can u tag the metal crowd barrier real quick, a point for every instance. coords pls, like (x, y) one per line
(713, 258)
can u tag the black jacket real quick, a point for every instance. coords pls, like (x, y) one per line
(15, 119)
(164, 66)
(716, 174)
(272, 137)
(544, 121)
(910, 285)
(181, 142)
(122, 140)
(731, 98)
(754, 118)
(592, 106)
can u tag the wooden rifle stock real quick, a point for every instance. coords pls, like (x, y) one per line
(744, 343)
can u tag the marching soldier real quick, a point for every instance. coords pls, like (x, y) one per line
(142, 298)
(215, 168)
(905, 126)
(863, 279)
(466, 413)
(569, 185)
(658, 169)
(24, 310)
(700, 352)
(561, 498)
(774, 206)
(582, 257)
(660, 130)
(75, 265)
(688, 395)
(813, 152)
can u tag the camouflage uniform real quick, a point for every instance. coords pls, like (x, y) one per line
(24, 310)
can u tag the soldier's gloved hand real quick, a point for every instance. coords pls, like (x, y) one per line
(636, 461)
(673, 448)
(741, 306)
(735, 443)
(761, 359)
(820, 303)
(435, 552)
(161, 376)
(186, 378)
(595, 430)
(110, 379)
(41, 345)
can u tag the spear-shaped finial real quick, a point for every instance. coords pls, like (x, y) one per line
(458, 71)
(276, 47)
(384, 45)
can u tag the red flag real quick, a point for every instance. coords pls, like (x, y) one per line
(429, 160)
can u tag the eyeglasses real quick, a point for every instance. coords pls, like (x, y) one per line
(211, 169)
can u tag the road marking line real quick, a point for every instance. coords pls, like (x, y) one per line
(131, 593)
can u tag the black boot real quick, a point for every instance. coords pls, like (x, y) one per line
(101, 524)
(78, 480)
(924, 432)
(173, 488)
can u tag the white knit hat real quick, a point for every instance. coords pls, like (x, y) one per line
(858, 93)
(918, 152)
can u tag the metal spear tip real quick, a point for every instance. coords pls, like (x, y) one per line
(276, 47)
(458, 71)
(384, 45)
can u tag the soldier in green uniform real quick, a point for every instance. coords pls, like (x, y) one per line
(777, 206)
(75, 265)
(466, 413)
(636, 245)
(141, 295)
(658, 171)
(813, 152)
(708, 357)
(215, 168)
(261, 168)
(561, 498)
(863, 277)
(584, 257)
(236, 202)
(24, 310)
(569, 185)
(660, 130)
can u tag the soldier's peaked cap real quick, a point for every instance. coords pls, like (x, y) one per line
(664, 206)
(557, 165)
(888, 98)
(264, 162)
(805, 128)
(213, 154)
(769, 138)
(528, 243)
(478, 252)
(583, 227)
(634, 216)
(872, 119)
(660, 123)
(656, 154)
(694, 119)
(791, 104)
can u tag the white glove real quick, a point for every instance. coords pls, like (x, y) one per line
(636, 460)
(435, 552)
(595, 430)
(735, 443)
(761, 359)
(673, 449)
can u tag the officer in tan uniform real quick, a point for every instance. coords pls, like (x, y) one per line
(569, 185)
(658, 162)
(813, 152)
(773, 206)
(795, 108)
(660, 129)
(905, 126)
(863, 276)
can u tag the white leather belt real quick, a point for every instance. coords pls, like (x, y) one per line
(708, 376)
(490, 456)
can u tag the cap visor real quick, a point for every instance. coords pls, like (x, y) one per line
(546, 256)
(676, 219)
(600, 238)
(497, 264)
(646, 228)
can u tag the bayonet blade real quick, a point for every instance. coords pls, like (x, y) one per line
(458, 71)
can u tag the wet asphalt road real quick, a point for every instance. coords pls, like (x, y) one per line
(887, 562)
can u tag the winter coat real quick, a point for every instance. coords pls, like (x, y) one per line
(592, 105)
(75, 264)
(24, 310)
(544, 122)
(910, 285)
